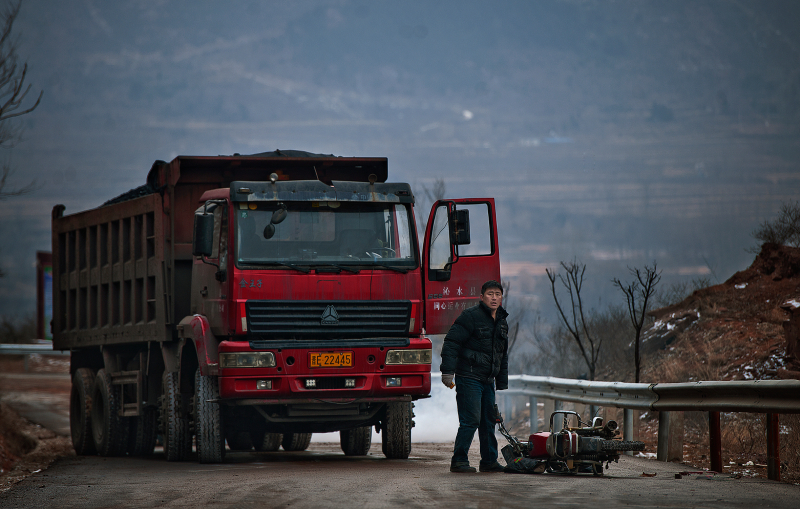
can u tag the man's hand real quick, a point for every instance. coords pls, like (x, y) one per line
(447, 380)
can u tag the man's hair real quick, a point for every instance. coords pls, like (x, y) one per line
(491, 284)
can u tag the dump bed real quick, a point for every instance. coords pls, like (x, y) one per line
(122, 271)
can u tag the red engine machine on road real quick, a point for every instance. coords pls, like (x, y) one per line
(255, 300)
(569, 450)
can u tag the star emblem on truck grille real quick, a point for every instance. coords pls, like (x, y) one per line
(330, 316)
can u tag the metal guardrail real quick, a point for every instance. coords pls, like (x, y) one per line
(30, 349)
(27, 349)
(761, 396)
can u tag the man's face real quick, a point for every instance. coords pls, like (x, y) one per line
(493, 298)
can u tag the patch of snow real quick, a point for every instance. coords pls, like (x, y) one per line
(647, 455)
(794, 303)
(748, 376)
(740, 286)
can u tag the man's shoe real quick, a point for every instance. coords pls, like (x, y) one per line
(497, 467)
(462, 469)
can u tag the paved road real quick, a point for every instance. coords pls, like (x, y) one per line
(324, 477)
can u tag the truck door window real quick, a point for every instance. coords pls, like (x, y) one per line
(440, 240)
(480, 231)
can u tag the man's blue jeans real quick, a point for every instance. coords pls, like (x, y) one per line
(475, 402)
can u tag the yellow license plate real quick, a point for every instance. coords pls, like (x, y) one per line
(330, 359)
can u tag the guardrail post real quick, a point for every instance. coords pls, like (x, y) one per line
(773, 448)
(627, 428)
(715, 441)
(675, 447)
(534, 405)
(662, 451)
(549, 407)
(558, 420)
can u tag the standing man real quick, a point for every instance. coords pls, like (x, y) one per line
(475, 353)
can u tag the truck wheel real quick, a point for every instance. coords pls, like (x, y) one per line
(396, 431)
(177, 439)
(296, 441)
(270, 442)
(356, 442)
(207, 419)
(109, 429)
(143, 433)
(80, 412)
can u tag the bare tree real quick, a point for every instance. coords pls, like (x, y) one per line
(784, 230)
(574, 318)
(425, 200)
(638, 293)
(13, 92)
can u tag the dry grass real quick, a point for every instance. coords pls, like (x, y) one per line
(702, 360)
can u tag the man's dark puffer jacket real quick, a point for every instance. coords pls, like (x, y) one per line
(477, 346)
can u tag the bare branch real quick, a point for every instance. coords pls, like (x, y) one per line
(576, 325)
(6, 173)
(641, 289)
(13, 94)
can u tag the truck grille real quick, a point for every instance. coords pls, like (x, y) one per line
(329, 319)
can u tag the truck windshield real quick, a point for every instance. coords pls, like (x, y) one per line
(320, 233)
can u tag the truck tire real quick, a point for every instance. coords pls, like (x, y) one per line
(80, 412)
(356, 441)
(109, 429)
(207, 420)
(296, 441)
(175, 425)
(143, 433)
(396, 431)
(271, 442)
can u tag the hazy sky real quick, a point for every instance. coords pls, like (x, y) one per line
(618, 133)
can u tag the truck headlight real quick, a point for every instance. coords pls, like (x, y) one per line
(408, 356)
(247, 360)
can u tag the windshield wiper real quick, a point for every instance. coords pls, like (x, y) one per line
(340, 267)
(396, 269)
(280, 264)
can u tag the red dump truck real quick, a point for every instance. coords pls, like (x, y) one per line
(255, 300)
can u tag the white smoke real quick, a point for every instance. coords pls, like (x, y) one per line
(436, 417)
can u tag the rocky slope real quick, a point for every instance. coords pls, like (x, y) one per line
(737, 330)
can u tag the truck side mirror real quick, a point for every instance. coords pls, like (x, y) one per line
(203, 235)
(459, 227)
(278, 216)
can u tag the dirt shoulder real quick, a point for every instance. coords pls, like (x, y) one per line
(27, 447)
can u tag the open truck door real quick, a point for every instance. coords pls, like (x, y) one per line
(459, 255)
